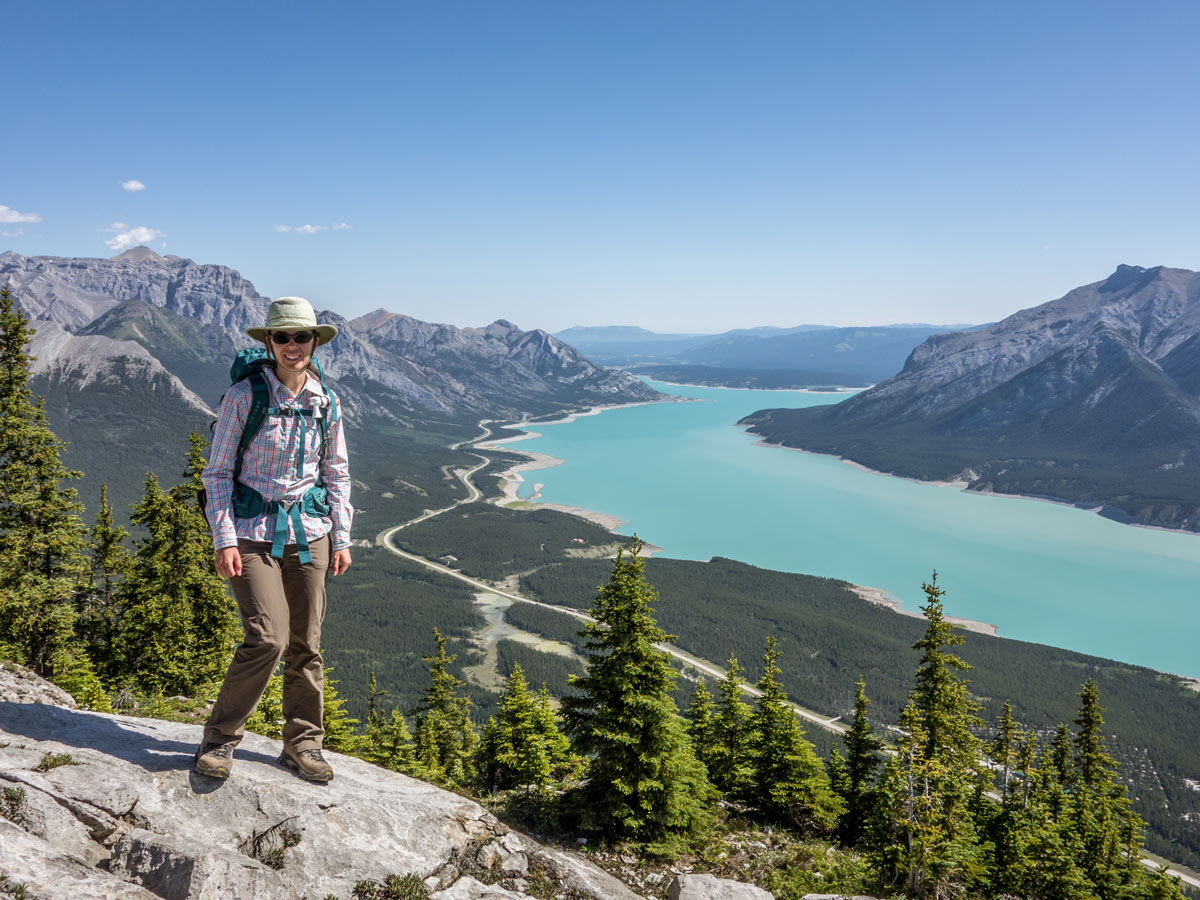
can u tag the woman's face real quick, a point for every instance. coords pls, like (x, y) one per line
(292, 356)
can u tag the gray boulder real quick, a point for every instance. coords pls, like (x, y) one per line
(710, 887)
(19, 685)
(123, 795)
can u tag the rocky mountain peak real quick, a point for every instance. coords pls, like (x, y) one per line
(372, 320)
(138, 254)
(1102, 380)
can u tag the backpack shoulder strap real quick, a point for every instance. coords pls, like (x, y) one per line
(260, 400)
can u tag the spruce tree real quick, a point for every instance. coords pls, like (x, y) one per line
(728, 757)
(523, 757)
(394, 747)
(487, 756)
(445, 737)
(1101, 815)
(1008, 827)
(644, 784)
(701, 717)
(41, 537)
(932, 786)
(339, 726)
(558, 748)
(179, 623)
(862, 766)
(99, 614)
(374, 696)
(789, 783)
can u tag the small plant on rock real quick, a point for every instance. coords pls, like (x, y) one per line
(269, 846)
(394, 887)
(53, 761)
(12, 806)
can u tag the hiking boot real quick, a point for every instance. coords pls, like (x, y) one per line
(215, 759)
(308, 764)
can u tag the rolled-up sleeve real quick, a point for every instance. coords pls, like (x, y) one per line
(218, 474)
(335, 473)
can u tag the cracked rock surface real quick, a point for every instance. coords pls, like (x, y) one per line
(127, 817)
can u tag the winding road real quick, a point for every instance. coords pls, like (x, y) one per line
(385, 539)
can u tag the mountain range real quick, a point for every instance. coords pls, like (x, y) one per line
(801, 356)
(1093, 398)
(134, 351)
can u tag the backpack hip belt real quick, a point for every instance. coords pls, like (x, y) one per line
(249, 504)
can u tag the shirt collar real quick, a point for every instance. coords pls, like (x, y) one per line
(311, 384)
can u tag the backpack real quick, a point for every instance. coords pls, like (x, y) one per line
(248, 366)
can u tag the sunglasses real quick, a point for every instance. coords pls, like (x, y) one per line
(300, 337)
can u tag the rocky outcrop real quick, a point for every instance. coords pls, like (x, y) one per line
(83, 360)
(107, 806)
(73, 292)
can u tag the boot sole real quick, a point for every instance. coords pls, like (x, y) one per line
(221, 772)
(288, 763)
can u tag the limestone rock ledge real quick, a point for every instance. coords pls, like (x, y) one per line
(126, 817)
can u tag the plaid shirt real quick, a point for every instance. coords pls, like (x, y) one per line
(269, 466)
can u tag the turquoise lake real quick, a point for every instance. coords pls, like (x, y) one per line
(684, 477)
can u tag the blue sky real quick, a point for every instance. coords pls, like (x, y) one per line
(685, 166)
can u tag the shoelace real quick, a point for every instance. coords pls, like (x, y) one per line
(314, 755)
(220, 750)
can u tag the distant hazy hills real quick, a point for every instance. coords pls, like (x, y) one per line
(1093, 398)
(805, 355)
(134, 351)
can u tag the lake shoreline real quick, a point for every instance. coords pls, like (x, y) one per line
(512, 478)
(880, 597)
(965, 486)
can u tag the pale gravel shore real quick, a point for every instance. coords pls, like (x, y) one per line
(512, 478)
(880, 598)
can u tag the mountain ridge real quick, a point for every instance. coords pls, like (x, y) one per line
(1092, 398)
(134, 351)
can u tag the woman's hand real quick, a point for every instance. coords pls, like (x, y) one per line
(340, 562)
(229, 562)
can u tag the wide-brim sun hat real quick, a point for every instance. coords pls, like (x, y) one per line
(291, 314)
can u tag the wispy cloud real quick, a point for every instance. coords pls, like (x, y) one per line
(12, 217)
(133, 185)
(125, 236)
(312, 229)
(17, 233)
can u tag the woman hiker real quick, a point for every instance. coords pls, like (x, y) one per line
(280, 512)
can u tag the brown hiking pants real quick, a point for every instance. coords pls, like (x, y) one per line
(282, 604)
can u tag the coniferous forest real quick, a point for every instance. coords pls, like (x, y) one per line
(943, 785)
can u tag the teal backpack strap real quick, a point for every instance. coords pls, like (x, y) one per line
(325, 421)
(260, 401)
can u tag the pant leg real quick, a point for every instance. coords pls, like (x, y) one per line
(261, 599)
(303, 672)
